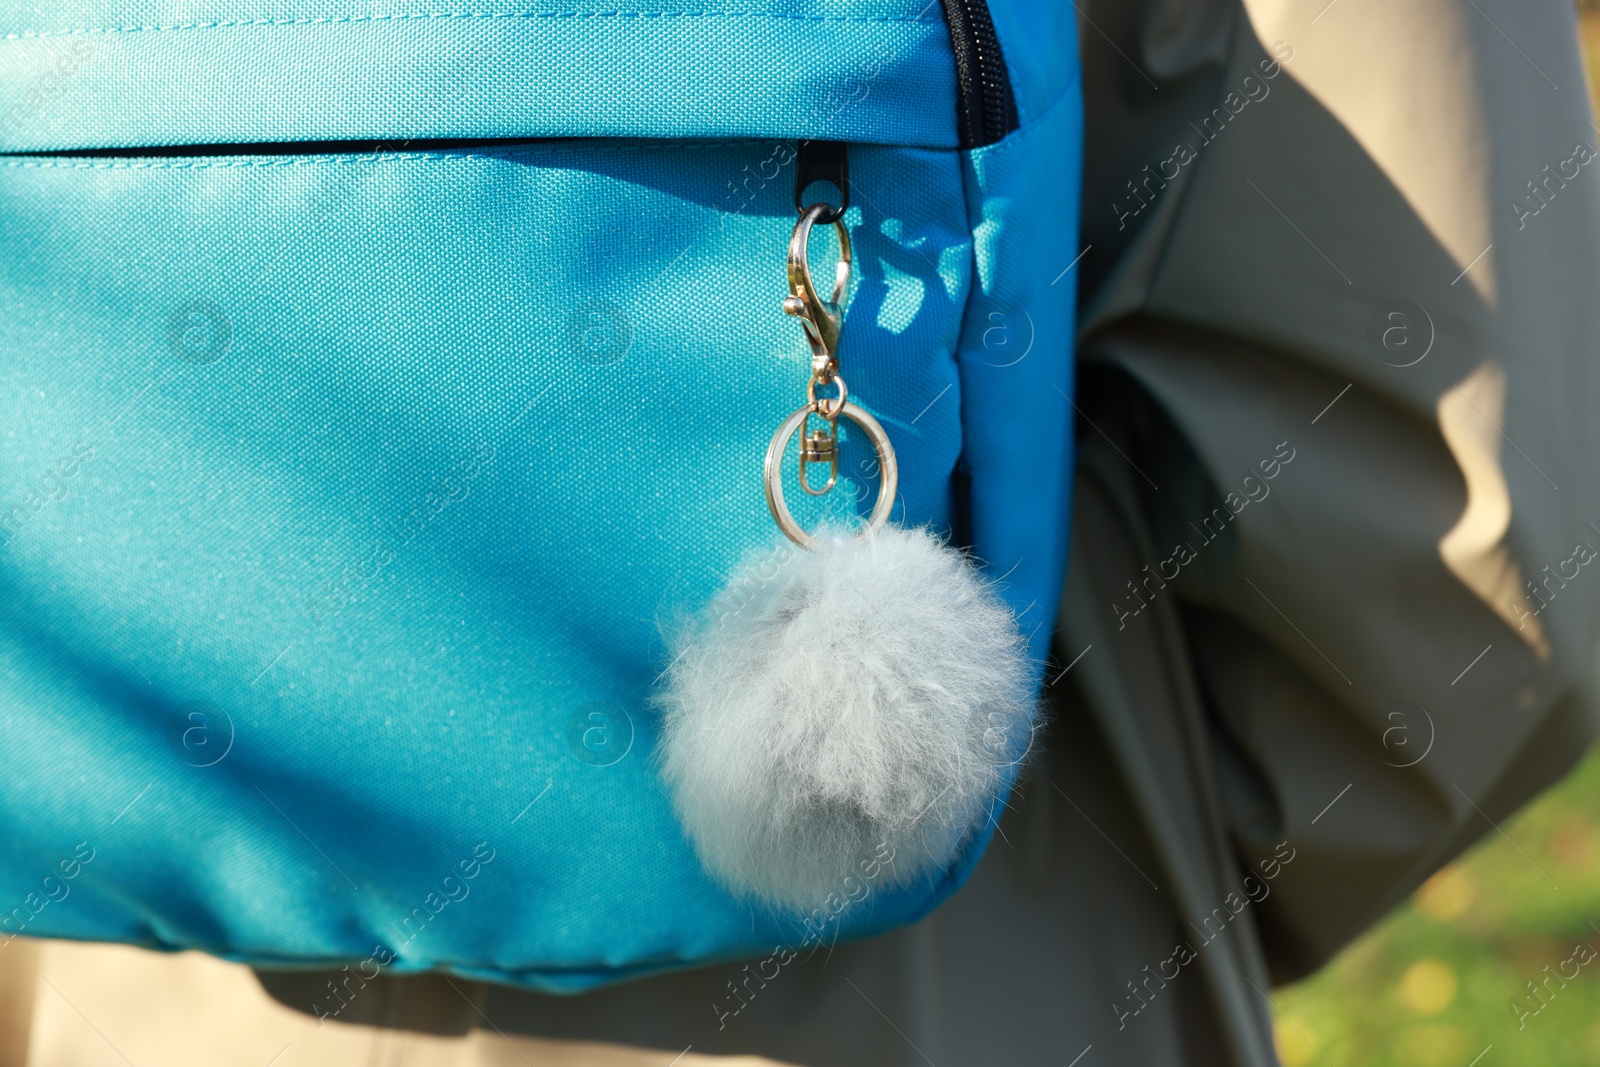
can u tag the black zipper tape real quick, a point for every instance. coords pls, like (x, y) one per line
(986, 107)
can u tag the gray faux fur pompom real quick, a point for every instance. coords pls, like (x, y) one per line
(867, 692)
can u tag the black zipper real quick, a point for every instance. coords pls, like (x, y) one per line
(291, 148)
(986, 109)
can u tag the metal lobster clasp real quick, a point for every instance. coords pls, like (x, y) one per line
(821, 318)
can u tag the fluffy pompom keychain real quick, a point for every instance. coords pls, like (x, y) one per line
(870, 690)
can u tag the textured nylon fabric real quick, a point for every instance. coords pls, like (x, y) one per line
(344, 496)
(1040, 46)
(391, 465)
(105, 74)
(1017, 343)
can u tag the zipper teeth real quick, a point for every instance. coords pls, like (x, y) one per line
(986, 107)
(992, 88)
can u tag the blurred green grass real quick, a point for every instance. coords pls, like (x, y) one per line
(1433, 985)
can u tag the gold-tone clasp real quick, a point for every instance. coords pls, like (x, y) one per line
(819, 446)
(888, 471)
(821, 318)
(822, 446)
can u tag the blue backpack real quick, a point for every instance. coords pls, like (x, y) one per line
(347, 484)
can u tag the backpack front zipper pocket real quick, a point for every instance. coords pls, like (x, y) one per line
(380, 385)
(401, 455)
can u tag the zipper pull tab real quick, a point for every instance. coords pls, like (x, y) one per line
(822, 161)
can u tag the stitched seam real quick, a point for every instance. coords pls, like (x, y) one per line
(423, 15)
(66, 161)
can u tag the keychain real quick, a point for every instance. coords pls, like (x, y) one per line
(871, 691)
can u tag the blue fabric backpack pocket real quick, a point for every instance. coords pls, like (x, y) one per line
(346, 486)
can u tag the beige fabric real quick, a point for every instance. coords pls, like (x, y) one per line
(19, 980)
(109, 1006)
(1332, 692)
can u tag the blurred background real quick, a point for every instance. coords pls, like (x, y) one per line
(1431, 985)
